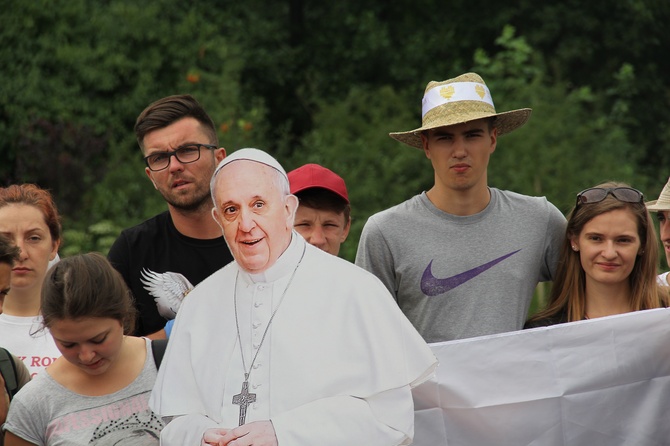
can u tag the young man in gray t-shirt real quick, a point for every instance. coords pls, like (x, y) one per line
(463, 258)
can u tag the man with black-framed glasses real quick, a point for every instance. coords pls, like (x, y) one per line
(162, 258)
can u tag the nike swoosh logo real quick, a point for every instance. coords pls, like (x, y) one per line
(432, 286)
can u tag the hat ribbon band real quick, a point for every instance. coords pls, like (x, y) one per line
(455, 92)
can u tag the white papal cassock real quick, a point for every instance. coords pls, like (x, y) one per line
(336, 367)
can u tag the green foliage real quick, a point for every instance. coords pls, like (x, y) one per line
(326, 82)
(574, 138)
(76, 75)
(588, 43)
(98, 237)
(351, 138)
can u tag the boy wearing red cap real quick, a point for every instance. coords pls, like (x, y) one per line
(323, 217)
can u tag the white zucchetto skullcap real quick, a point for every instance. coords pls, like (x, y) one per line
(251, 155)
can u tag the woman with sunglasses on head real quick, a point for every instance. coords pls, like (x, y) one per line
(97, 392)
(29, 219)
(608, 259)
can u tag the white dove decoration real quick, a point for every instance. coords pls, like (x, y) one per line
(168, 290)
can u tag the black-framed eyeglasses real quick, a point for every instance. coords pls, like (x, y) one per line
(598, 194)
(185, 154)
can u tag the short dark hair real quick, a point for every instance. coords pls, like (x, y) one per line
(491, 123)
(84, 286)
(9, 252)
(167, 111)
(324, 200)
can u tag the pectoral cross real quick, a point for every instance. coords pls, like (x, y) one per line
(244, 398)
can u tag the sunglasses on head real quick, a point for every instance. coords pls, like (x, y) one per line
(598, 194)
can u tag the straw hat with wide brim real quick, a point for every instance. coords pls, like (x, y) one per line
(663, 202)
(458, 100)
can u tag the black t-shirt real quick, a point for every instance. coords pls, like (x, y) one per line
(157, 246)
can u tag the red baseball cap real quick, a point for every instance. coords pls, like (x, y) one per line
(313, 175)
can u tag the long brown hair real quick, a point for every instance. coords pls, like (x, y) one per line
(86, 286)
(568, 293)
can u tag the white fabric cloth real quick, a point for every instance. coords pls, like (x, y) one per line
(662, 279)
(335, 368)
(597, 382)
(37, 350)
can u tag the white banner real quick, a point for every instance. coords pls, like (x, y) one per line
(599, 382)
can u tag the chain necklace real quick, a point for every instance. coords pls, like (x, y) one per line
(244, 398)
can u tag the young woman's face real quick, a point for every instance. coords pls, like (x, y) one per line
(608, 247)
(92, 344)
(25, 226)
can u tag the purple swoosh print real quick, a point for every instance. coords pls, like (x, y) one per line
(432, 286)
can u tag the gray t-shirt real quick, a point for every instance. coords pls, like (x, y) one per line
(458, 277)
(46, 413)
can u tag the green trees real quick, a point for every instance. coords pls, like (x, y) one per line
(75, 76)
(574, 139)
(326, 82)
(350, 137)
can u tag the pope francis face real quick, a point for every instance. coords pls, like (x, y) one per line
(255, 214)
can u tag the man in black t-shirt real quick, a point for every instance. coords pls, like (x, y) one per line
(165, 256)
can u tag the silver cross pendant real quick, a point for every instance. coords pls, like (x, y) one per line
(243, 399)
